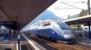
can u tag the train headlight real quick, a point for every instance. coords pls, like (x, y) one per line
(67, 36)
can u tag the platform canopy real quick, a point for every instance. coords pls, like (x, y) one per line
(22, 11)
(79, 20)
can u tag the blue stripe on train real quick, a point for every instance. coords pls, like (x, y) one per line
(47, 33)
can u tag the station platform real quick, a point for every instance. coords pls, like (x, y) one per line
(7, 45)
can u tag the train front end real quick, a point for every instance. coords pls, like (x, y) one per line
(66, 33)
(68, 36)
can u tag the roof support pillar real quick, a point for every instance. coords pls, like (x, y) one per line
(78, 26)
(89, 30)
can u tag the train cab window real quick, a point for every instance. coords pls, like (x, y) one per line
(46, 24)
(64, 25)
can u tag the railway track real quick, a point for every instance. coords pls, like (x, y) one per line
(52, 45)
(60, 45)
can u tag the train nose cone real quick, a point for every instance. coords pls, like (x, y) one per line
(68, 34)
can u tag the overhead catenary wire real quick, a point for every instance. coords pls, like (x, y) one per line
(66, 8)
(74, 2)
(70, 5)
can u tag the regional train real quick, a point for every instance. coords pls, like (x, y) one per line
(54, 30)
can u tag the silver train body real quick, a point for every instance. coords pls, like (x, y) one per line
(53, 30)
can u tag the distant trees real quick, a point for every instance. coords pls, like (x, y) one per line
(83, 13)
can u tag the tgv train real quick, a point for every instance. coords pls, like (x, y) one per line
(55, 30)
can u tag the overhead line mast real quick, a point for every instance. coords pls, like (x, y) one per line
(89, 7)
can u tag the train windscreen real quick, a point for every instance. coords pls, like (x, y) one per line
(63, 25)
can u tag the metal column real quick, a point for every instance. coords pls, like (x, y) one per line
(89, 30)
(78, 26)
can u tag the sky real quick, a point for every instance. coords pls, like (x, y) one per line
(62, 9)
